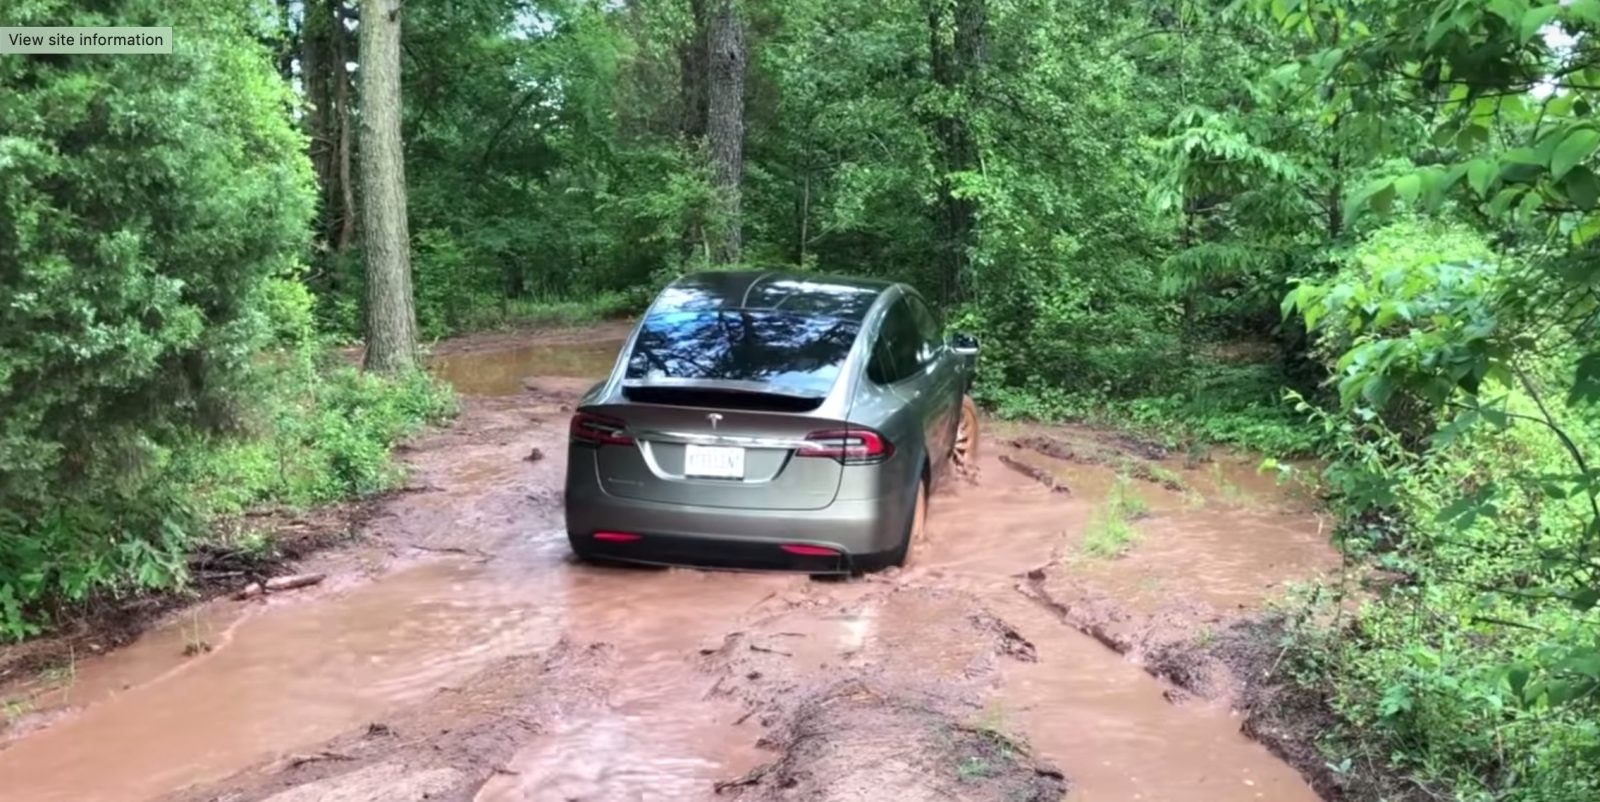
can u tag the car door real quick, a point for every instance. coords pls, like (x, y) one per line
(942, 380)
(913, 382)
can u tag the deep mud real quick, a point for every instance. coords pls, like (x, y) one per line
(455, 651)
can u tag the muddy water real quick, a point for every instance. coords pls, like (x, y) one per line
(501, 372)
(1117, 737)
(278, 679)
(656, 735)
(284, 676)
(1099, 717)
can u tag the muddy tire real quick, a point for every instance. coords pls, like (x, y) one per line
(964, 452)
(916, 527)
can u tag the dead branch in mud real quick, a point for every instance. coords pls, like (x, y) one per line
(296, 761)
(767, 650)
(750, 778)
(279, 583)
(1037, 474)
(466, 552)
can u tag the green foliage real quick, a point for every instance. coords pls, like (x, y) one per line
(1457, 467)
(1111, 532)
(158, 355)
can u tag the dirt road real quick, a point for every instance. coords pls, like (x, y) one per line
(455, 652)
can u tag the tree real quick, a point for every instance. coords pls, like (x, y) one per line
(323, 54)
(391, 321)
(725, 123)
(956, 54)
(150, 209)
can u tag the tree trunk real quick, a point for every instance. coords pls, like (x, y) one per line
(692, 76)
(386, 245)
(956, 53)
(725, 124)
(344, 223)
(324, 50)
(316, 69)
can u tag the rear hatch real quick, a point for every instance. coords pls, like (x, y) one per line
(746, 458)
(717, 407)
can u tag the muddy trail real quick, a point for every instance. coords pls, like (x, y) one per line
(1051, 639)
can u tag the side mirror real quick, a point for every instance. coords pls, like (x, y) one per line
(963, 343)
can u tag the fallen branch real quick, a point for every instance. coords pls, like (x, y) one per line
(279, 583)
(754, 776)
(301, 760)
(1037, 474)
(479, 553)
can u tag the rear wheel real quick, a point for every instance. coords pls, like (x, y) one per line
(965, 451)
(916, 528)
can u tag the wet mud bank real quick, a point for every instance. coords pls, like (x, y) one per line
(456, 652)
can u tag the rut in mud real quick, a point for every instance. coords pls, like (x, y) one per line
(455, 652)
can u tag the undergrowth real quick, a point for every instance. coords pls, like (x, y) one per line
(1111, 531)
(306, 428)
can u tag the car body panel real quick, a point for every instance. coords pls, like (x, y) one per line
(759, 361)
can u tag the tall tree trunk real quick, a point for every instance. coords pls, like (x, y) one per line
(344, 224)
(324, 46)
(725, 124)
(693, 74)
(956, 53)
(386, 245)
(316, 70)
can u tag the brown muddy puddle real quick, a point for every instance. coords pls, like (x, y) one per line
(284, 676)
(501, 372)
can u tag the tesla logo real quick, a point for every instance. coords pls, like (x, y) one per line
(715, 418)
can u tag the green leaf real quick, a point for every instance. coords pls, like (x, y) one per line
(1584, 600)
(1509, 10)
(1518, 679)
(1584, 10)
(1581, 187)
(1472, 136)
(1586, 230)
(1407, 186)
(1383, 200)
(1573, 150)
(1586, 380)
(1502, 201)
(1481, 173)
(1535, 19)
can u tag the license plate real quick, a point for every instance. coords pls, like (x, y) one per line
(719, 462)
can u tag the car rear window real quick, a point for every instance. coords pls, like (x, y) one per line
(796, 353)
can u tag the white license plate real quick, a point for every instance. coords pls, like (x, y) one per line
(720, 462)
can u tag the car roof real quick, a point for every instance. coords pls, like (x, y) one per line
(844, 297)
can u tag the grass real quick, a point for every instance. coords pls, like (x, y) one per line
(974, 768)
(1111, 532)
(15, 709)
(1226, 489)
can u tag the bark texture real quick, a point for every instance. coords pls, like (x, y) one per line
(725, 123)
(957, 50)
(324, 50)
(390, 316)
(693, 73)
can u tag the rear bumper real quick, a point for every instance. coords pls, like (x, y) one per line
(865, 534)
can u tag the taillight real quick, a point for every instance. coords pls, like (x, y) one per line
(599, 430)
(850, 446)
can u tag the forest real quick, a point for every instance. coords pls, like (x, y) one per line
(1359, 231)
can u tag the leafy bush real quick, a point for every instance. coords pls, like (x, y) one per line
(1480, 670)
(159, 363)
